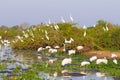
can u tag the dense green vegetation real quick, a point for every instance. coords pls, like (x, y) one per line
(96, 38)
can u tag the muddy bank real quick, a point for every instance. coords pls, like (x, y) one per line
(102, 54)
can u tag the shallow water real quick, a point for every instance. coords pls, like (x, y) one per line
(87, 77)
(6, 53)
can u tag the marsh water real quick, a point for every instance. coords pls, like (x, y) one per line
(12, 59)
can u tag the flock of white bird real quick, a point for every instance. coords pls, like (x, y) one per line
(65, 61)
(93, 58)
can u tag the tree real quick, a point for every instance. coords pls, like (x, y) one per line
(101, 23)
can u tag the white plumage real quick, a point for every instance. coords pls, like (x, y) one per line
(107, 28)
(79, 47)
(26, 35)
(66, 61)
(56, 27)
(48, 47)
(40, 57)
(49, 22)
(115, 61)
(93, 58)
(99, 74)
(0, 37)
(69, 41)
(55, 74)
(71, 18)
(47, 37)
(85, 63)
(84, 27)
(84, 33)
(104, 60)
(57, 47)
(70, 52)
(62, 20)
(39, 49)
(52, 50)
(94, 25)
(113, 55)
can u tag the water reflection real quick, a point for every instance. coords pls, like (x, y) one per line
(12, 61)
(87, 77)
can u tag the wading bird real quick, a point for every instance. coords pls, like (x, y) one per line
(66, 61)
(69, 41)
(113, 55)
(70, 52)
(115, 61)
(62, 20)
(79, 48)
(93, 58)
(104, 60)
(84, 33)
(71, 18)
(85, 63)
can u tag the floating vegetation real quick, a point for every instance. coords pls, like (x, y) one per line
(43, 48)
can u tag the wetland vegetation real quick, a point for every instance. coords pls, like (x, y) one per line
(102, 36)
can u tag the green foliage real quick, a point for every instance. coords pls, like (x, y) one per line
(95, 39)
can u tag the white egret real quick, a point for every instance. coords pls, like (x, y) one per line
(62, 20)
(48, 47)
(93, 58)
(49, 22)
(84, 33)
(55, 74)
(70, 52)
(0, 37)
(56, 27)
(66, 61)
(69, 41)
(99, 74)
(84, 27)
(39, 56)
(79, 47)
(57, 47)
(113, 55)
(104, 60)
(39, 49)
(115, 61)
(71, 18)
(85, 63)
(47, 37)
(52, 50)
(107, 27)
(94, 25)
